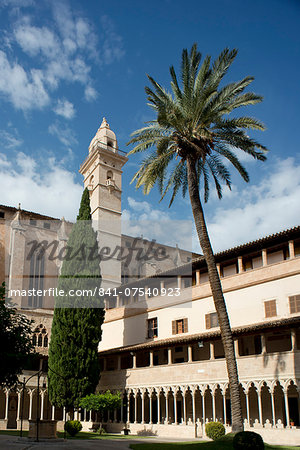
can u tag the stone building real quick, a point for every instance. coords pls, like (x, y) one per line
(161, 345)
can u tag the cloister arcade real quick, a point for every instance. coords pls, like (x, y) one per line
(266, 403)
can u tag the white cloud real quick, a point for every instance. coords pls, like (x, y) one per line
(34, 40)
(153, 223)
(65, 109)
(65, 134)
(9, 140)
(90, 93)
(24, 90)
(260, 209)
(112, 48)
(56, 193)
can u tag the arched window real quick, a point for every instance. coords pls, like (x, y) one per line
(109, 175)
(40, 336)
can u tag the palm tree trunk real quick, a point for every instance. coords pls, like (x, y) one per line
(217, 293)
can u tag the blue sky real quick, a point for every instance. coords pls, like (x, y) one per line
(66, 64)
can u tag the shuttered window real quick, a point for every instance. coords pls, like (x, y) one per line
(211, 320)
(152, 329)
(294, 304)
(270, 308)
(180, 326)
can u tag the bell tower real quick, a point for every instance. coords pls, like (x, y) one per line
(102, 172)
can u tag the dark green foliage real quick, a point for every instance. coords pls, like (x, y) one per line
(101, 402)
(72, 427)
(248, 440)
(16, 341)
(76, 329)
(214, 430)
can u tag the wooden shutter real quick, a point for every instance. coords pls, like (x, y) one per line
(270, 308)
(174, 327)
(207, 321)
(185, 325)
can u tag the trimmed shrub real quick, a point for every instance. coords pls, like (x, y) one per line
(214, 430)
(72, 427)
(248, 440)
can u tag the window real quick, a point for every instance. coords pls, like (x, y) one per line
(294, 304)
(180, 326)
(32, 222)
(47, 225)
(40, 336)
(270, 308)
(211, 320)
(152, 329)
(2, 214)
(36, 279)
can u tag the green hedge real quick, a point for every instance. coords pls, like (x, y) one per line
(72, 427)
(215, 430)
(248, 440)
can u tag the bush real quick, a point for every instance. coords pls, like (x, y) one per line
(248, 440)
(101, 431)
(72, 427)
(215, 430)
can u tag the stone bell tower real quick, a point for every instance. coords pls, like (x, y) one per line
(102, 172)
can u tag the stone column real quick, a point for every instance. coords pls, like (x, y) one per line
(6, 403)
(219, 269)
(151, 358)
(194, 405)
(119, 362)
(259, 407)
(150, 406)
(273, 409)
(190, 353)
(128, 407)
(104, 364)
(19, 406)
(263, 344)
(197, 277)
(167, 408)
(240, 264)
(134, 361)
(169, 356)
(203, 409)
(287, 412)
(224, 407)
(53, 413)
(291, 250)
(293, 340)
(236, 347)
(247, 407)
(214, 405)
(158, 406)
(212, 352)
(264, 257)
(42, 405)
(175, 407)
(179, 284)
(30, 405)
(135, 406)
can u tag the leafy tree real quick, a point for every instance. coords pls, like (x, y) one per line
(192, 140)
(16, 341)
(76, 328)
(101, 402)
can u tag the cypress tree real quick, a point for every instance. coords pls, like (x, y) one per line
(76, 329)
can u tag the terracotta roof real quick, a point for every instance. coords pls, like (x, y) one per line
(183, 339)
(29, 213)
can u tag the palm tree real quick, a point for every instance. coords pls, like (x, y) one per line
(191, 139)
